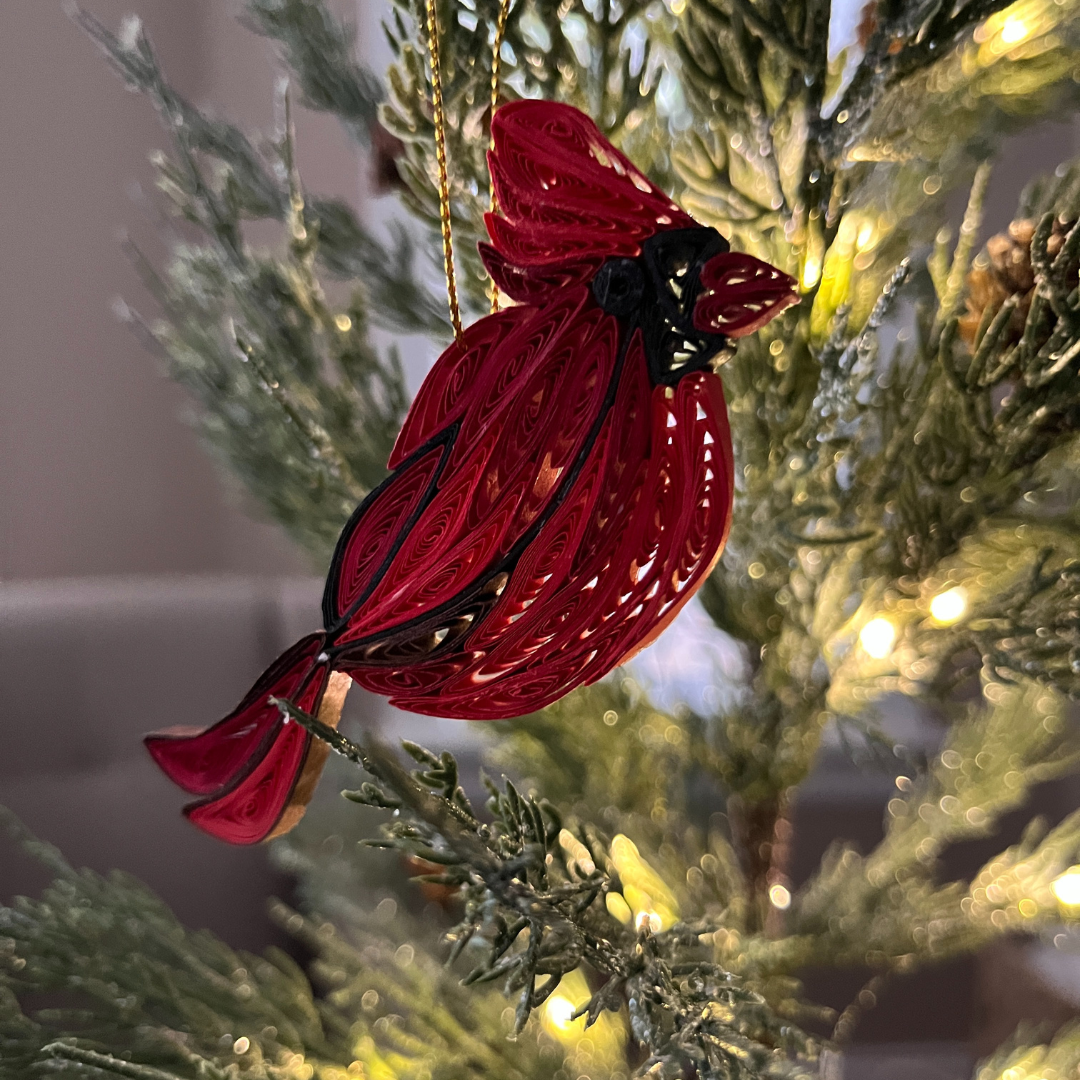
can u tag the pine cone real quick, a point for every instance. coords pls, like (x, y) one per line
(1005, 270)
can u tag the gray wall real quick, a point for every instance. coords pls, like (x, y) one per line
(100, 475)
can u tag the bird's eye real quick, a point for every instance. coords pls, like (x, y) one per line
(619, 287)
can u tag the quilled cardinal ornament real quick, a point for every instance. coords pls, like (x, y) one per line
(560, 488)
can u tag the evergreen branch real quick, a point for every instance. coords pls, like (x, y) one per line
(399, 301)
(898, 48)
(333, 738)
(416, 1007)
(758, 113)
(953, 286)
(133, 58)
(1017, 1060)
(949, 427)
(252, 335)
(515, 877)
(897, 914)
(158, 1002)
(62, 1053)
(320, 51)
(845, 365)
(44, 853)
(772, 30)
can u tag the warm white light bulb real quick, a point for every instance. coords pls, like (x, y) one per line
(877, 637)
(1014, 30)
(648, 920)
(559, 1011)
(779, 897)
(949, 606)
(1067, 887)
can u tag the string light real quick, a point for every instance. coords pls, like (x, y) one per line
(648, 919)
(596, 1051)
(811, 272)
(1067, 887)
(877, 637)
(1014, 31)
(949, 607)
(559, 1012)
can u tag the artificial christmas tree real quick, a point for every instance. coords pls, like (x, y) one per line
(903, 524)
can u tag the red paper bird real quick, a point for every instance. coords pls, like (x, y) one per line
(560, 488)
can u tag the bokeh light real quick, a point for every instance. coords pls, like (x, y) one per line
(1067, 887)
(559, 1012)
(780, 897)
(1014, 31)
(949, 607)
(646, 894)
(599, 1050)
(877, 637)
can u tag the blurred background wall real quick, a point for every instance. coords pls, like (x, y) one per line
(100, 474)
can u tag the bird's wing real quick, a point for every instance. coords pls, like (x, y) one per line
(487, 448)
(460, 379)
(629, 544)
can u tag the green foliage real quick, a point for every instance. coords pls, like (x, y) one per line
(320, 52)
(145, 998)
(886, 909)
(1060, 1057)
(537, 905)
(140, 986)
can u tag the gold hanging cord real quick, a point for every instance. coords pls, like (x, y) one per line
(440, 151)
(440, 157)
(496, 64)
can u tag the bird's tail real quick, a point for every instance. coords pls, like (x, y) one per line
(255, 772)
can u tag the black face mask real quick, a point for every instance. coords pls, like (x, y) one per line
(657, 292)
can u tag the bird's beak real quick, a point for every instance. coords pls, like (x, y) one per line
(740, 294)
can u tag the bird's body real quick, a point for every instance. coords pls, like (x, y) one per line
(560, 488)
